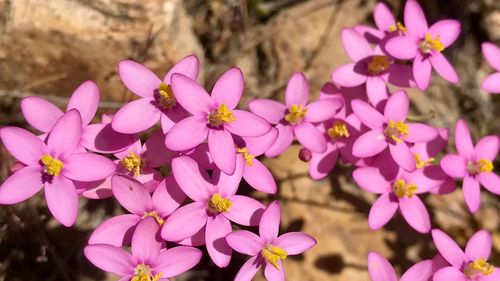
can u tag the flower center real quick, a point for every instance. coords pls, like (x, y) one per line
(429, 44)
(295, 114)
(402, 189)
(248, 157)
(273, 255)
(220, 116)
(51, 165)
(378, 64)
(166, 98)
(421, 163)
(338, 130)
(154, 215)
(217, 204)
(480, 166)
(133, 163)
(477, 268)
(396, 130)
(399, 26)
(143, 273)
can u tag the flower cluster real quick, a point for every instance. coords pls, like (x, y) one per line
(174, 157)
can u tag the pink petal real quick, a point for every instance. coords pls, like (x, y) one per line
(185, 222)
(420, 271)
(367, 114)
(270, 110)
(472, 193)
(146, 241)
(245, 242)
(193, 181)
(222, 149)
(397, 106)
(463, 140)
(88, 167)
(259, 177)
(154, 151)
(448, 31)
(376, 89)
(383, 17)
(426, 179)
(248, 270)
(138, 79)
(270, 222)
(283, 141)
(245, 210)
(491, 83)
(177, 260)
(369, 144)
(102, 138)
(188, 66)
(401, 75)
(422, 70)
(40, 113)
(198, 239)
(65, 136)
(227, 185)
(321, 110)
(454, 165)
(85, 99)
(218, 249)
(415, 213)
(371, 180)
(414, 19)
(295, 243)
(167, 197)
(346, 76)
(495, 275)
(402, 155)
(187, 134)
(380, 269)
(23, 145)
(228, 88)
(136, 116)
(310, 137)
(21, 185)
(191, 95)
(479, 246)
(371, 34)
(116, 231)
(62, 200)
(402, 47)
(418, 132)
(355, 45)
(322, 164)
(131, 194)
(382, 211)
(110, 258)
(271, 273)
(297, 90)
(490, 181)
(449, 273)
(492, 54)
(171, 116)
(487, 148)
(443, 67)
(248, 124)
(258, 145)
(448, 248)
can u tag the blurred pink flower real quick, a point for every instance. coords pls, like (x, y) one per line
(492, 55)
(380, 269)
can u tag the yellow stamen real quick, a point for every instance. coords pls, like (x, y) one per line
(480, 166)
(295, 114)
(248, 157)
(378, 64)
(143, 273)
(402, 189)
(421, 163)
(154, 215)
(166, 99)
(222, 115)
(133, 163)
(51, 165)
(398, 26)
(218, 204)
(478, 267)
(395, 130)
(429, 44)
(338, 130)
(273, 254)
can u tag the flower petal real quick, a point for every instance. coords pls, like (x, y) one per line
(444, 68)
(380, 269)
(167, 197)
(65, 136)
(414, 19)
(448, 248)
(218, 227)
(347, 76)
(448, 31)
(222, 149)
(245, 210)
(369, 144)
(463, 140)
(193, 181)
(322, 164)
(491, 83)
(283, 141)
(258, 145)
(185, 222)
(310, 137)
(62, 200)
(418, 132)
(259, 177)
(297, 90)
(402, 47)
(248, 270)
(270, 222)
(116, 231)
(21, 185)
(490, 181)
(367, 114)
(270, 110)
(415, 213)
(110, 258)
(229, 88)
(177, 260)
(487, 148)
(449, 273)
(227, 185)
(383, 17)
(23, 145)
(138, 79)
(382, 211)
(355, 45)
(131, 194)
(40, 113)
(321, 110)
(422, 70)
(371, 180)
(136, 116)
(271, 273)
(102, 138)
(421, 271)
(376, 89)
(492, 54)
(472, 193)
(154, 151)
(191, 95)
(397, 106)
(248, 124)
(245, 242)
(479, 246)
(187, 134)
(295, 243)
(88, 167)
(189, 66)
(401, 153)
(454, 165)
(146, 241)
(85, 99)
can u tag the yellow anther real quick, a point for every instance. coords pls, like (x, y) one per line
(295, 114)
(402, 189)
(273, 255)
(154, 215)
(338, 130)
(143, 273)
(218, 204)
(477, 268)
(396, 130)
(429, 44)
(480, 166)
(133, 163)
(378, 64)
(248, 157)
(222, 115)
(398, 26)
(166, 99)
(421, 163)
(51, 165)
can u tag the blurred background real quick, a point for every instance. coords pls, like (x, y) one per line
(48, 48)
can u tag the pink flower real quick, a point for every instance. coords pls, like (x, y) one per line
(390, 130)
(474, 164)
(55, 166)
(268, 249)
(296, 118)
(470, 265)
(386, 24)
(380, 269)
(157, 101)
(492, 55)
(214, 117)
(215, 205)
(148, 261)
(425, 45)
(133, 196)
(373, 67)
